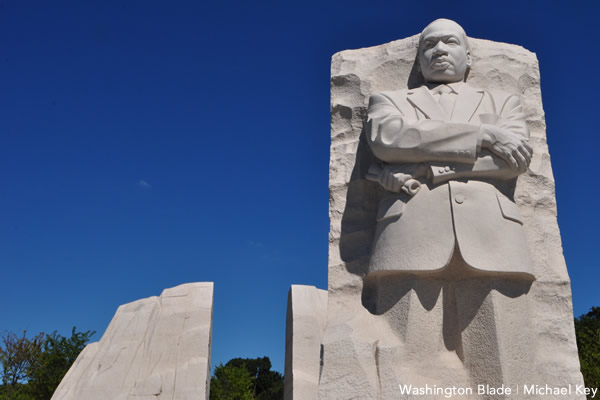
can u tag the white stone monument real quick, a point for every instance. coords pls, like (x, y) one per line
(306, 317)
(446, 273)
(154, 348)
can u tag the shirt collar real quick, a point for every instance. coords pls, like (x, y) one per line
(455, 86)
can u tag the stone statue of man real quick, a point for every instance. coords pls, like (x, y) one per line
(434, 280)
(449, 154)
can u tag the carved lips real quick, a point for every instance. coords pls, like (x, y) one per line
(440, 62)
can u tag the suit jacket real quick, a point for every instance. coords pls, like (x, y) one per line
(459, 204)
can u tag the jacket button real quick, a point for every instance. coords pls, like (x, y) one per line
(459, 198)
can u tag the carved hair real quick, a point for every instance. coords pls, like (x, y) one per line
(458, 28)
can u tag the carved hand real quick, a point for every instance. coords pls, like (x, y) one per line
(511, 147)
(396, 178)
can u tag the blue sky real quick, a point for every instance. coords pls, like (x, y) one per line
(146, 144)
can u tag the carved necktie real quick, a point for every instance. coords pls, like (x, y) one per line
(446, 99)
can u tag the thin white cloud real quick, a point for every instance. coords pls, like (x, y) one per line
(143, 184)
(255, 244)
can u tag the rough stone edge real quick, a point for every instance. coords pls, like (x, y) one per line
(89, 351)
(301, 381)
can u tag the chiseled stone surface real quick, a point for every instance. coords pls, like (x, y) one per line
(305, 324)
(406, 330)
(154, 348)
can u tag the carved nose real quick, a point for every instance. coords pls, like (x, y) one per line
(440, 47)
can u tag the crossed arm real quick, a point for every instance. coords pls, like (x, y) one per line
(449, 150)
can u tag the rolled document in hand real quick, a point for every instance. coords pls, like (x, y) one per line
(410, 186)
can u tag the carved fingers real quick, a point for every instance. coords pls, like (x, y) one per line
(393, 181)
(397, 178)
(511, 147)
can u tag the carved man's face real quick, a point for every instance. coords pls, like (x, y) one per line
(444, 54)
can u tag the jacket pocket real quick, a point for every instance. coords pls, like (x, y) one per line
(390, 207)
(509, 209)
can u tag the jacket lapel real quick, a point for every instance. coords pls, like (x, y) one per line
(424, 101)
(466, 103)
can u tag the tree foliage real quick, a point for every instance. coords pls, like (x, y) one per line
(264, 383)
(587, 330)
(57, 355)
(33, 368)
(231, 383)
(17, 355)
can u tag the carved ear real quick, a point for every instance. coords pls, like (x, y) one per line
(469, 60)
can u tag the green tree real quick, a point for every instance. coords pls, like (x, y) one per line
(587, 331)
(57, 355)
(17, 355)
(231, 383)
(266, 384)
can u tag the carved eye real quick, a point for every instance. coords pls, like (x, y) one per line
(429, 44)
